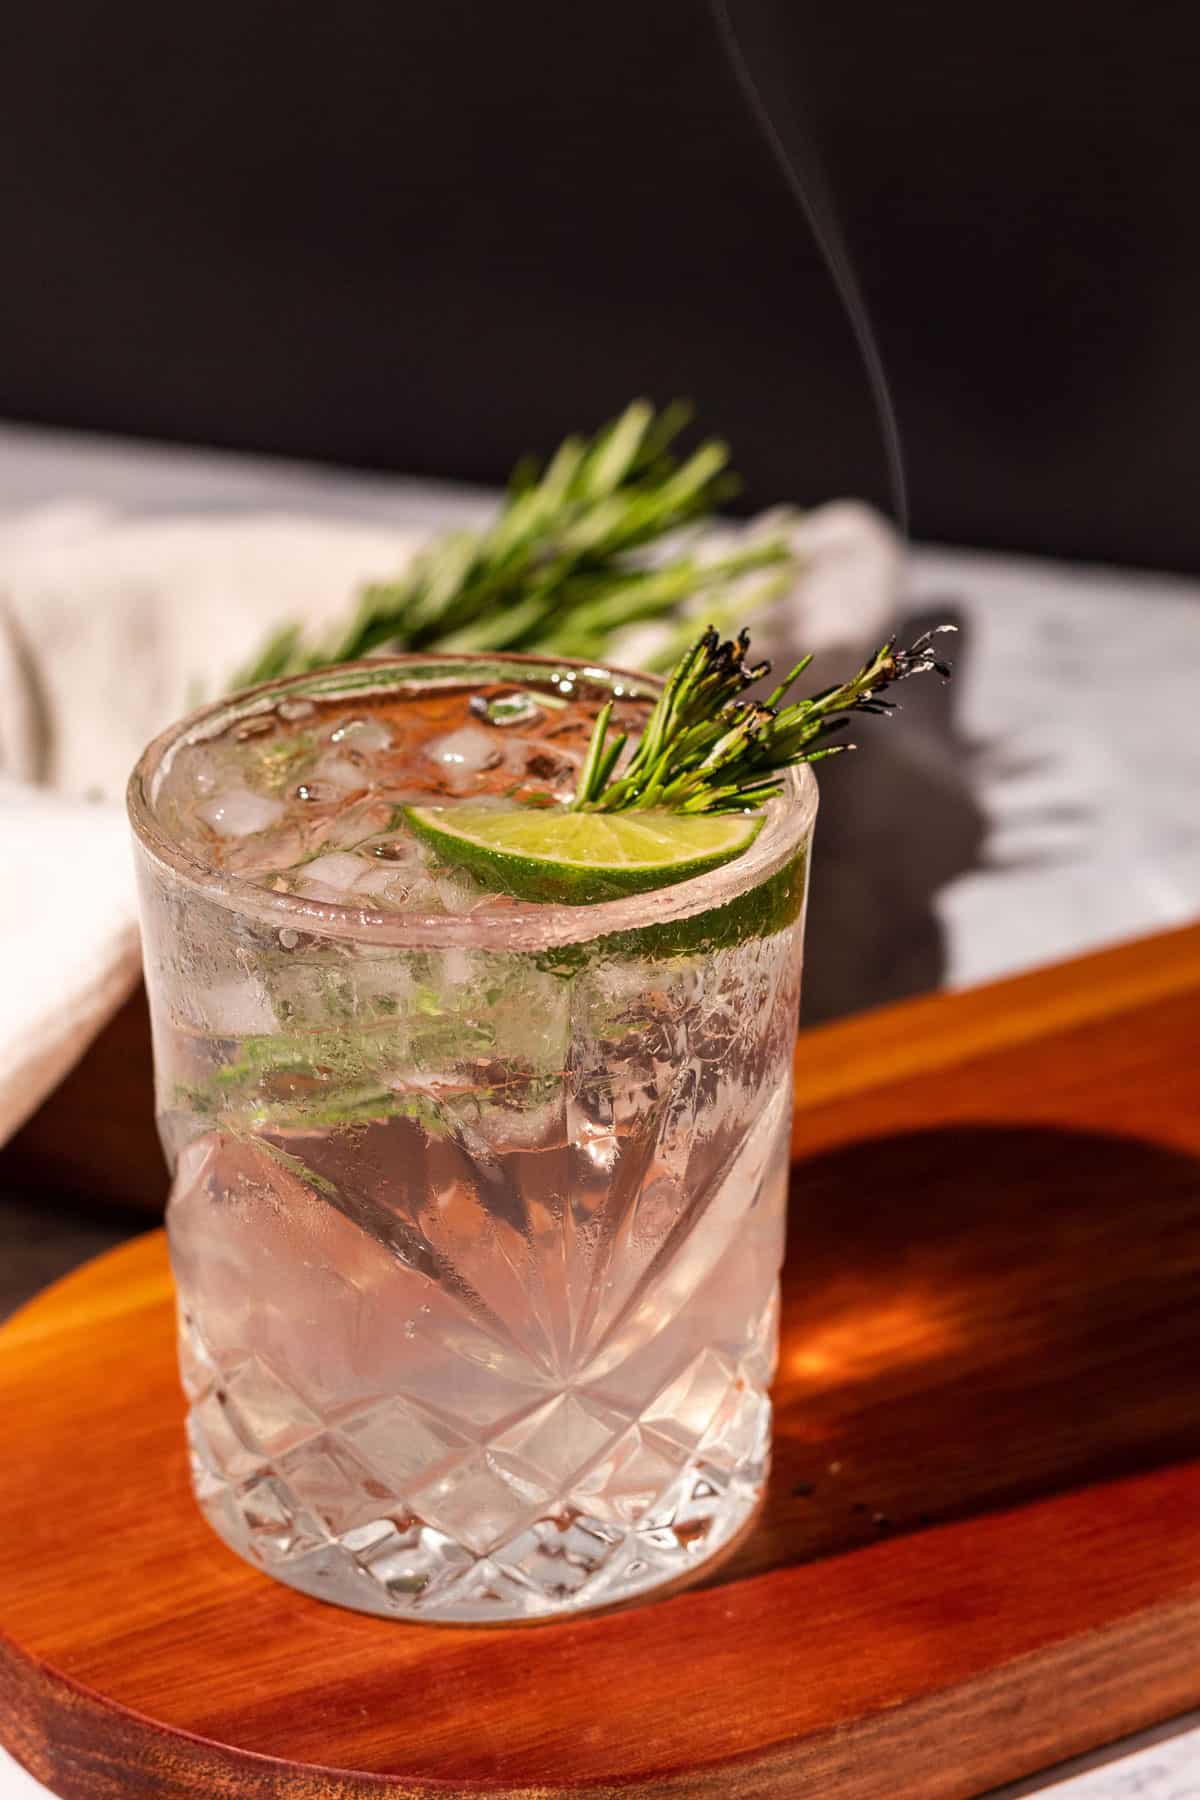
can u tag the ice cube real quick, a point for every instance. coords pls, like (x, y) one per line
(423, 895)
(335, 873)
(348, 829)
(362, 734)
(265, 854)
(204, 770)
(236, 812)
(458, 895)
(386, 883)
(464, 754)
(232, 1006)
(342, 773)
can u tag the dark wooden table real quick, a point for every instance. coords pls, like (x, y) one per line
(981, 1548)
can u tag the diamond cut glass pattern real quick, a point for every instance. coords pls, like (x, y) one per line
(555, 1396)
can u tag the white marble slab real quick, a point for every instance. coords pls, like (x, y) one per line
(1078, 692)
(15, 1784)
(1159, 1765)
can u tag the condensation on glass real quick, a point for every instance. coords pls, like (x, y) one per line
(478, 1208)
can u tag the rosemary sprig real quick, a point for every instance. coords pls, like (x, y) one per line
(566, 563)
(706, 749)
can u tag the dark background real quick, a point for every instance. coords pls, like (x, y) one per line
(428, 237)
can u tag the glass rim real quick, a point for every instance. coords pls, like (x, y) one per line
(520, 926)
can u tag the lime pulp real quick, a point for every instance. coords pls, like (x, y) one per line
(580, 858)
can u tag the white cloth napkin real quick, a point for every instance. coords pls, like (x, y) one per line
(113, 623)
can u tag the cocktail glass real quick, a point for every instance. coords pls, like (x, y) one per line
(478, 1206)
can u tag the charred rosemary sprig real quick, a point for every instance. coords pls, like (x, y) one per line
(707, 749)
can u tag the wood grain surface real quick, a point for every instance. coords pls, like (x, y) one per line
(981, 1548)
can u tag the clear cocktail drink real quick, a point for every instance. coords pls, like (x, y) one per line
(478, 1204)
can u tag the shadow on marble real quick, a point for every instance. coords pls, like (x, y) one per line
(897, 823)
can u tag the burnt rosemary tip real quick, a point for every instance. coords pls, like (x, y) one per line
(705, 749)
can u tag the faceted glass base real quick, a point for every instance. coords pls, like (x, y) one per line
(679, 1511)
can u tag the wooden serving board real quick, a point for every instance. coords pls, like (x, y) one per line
(981, 1548)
